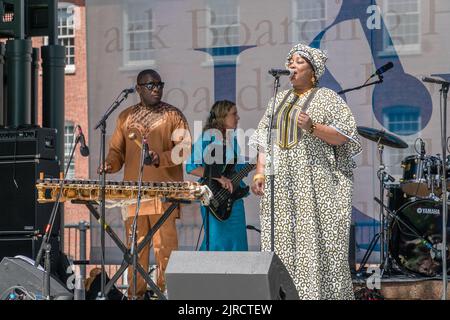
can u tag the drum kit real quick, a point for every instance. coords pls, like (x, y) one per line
(411, 223)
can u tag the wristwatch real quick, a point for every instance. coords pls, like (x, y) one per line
(313, 127)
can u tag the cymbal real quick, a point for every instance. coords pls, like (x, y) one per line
(382, 137)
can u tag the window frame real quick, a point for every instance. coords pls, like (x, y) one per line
(404, 49)
(69, 68)
(295, 28)
(69, 139)
(226, 58)
(126, 62)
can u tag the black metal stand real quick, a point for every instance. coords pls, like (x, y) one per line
(127, 258)
(444, 93)
(382, 176)
(133, 234)
(210, 172)
(271, 169)
(45, 245)
(381, 235)
(380, 80)
(102, 125)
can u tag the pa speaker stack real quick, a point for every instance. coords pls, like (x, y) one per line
(24, 154)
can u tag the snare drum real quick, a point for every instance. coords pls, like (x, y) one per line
(418, 175)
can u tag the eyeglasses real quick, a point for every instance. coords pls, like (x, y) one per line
(152, 85)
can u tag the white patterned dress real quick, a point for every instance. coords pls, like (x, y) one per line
(313, 192)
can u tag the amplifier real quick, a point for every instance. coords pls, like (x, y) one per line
(28, 143)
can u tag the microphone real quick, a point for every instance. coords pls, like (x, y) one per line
(281, 72)
(437, 81)
(128, 91)
(84, 149)
(383, 69)
(147, 157)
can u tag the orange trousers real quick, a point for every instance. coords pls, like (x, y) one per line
(164, 241)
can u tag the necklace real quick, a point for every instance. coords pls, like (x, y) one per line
(302, 94)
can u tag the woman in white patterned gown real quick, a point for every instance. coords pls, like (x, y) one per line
(313, 147)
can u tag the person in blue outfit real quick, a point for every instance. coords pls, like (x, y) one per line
(220, 131)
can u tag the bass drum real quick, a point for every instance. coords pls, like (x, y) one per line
(411, 252)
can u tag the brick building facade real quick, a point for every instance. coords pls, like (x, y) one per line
(72, 34)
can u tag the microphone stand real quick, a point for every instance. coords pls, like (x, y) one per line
(381, 175)
(211, 171)
(45, 245)
(443, 95)
(102, 125)
(133, 251)
(271, 170)
(380, 80)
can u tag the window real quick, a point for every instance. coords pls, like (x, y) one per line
(402, 120)
(309, 18)
(406, 122)
(138, 30)
(402, 18)
(69, 139)
(66, 33)
(223, 22)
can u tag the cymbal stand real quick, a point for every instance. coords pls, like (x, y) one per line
(383, 177)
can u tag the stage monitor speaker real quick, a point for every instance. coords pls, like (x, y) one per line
(18, 272)
(228, 275)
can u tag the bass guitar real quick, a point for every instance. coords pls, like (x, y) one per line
(222, 200)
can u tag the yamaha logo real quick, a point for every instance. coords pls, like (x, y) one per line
(428, 211)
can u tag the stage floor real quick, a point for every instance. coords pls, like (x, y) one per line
(403, 287)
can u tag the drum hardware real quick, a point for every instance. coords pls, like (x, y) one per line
(443, 122)
(421, 175)
(382, 138)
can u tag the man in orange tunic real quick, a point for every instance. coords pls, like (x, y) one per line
(167, 133)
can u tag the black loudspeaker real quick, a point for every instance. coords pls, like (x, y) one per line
(22, 218)
(222, 275)
(18, 272)
(28, 143)
(20, 210)
(28, 246)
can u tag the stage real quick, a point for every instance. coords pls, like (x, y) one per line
(404, 287)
